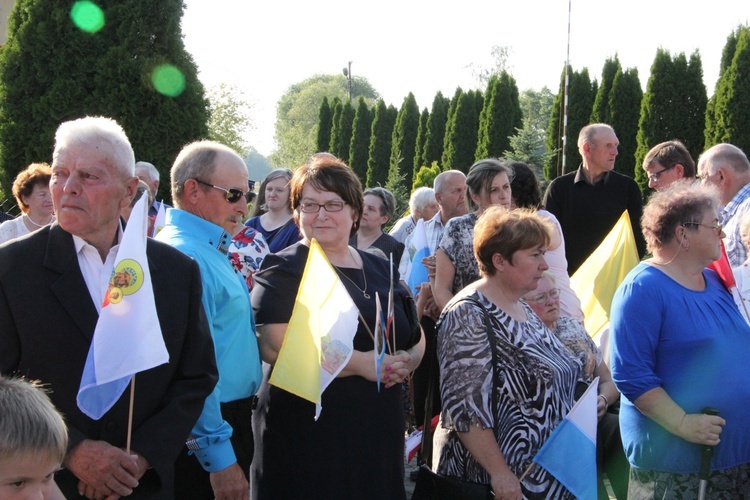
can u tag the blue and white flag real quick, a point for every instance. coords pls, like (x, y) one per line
(128, 337)
(418, 272)
(569, 453)
(160, 220)
(379, 339)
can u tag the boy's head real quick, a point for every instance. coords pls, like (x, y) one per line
(33, 438)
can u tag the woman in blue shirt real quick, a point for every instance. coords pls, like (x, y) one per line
(679, 345)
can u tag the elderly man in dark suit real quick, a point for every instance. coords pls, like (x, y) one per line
(51, 289)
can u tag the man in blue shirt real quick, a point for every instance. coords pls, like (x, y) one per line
(209, 182)
(148, 173)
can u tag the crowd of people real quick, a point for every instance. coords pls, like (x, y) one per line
(493, 339)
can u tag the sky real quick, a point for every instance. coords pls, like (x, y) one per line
(425, 46)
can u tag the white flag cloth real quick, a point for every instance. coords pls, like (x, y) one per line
(569, 453)
(418, 271)
(160, 221)
(128, 337)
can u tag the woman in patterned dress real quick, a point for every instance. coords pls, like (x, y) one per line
(487, 184)
(533, 375)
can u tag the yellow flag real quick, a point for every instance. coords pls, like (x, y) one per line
(596, 281)
(318, 342)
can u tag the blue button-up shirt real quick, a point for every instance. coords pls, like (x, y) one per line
(730, 218)
(230, 316)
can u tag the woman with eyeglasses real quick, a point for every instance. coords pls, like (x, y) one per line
(680, 345)
(31, 190)
(355, 448)
(272, 215)
(501, 404)
(545, 301)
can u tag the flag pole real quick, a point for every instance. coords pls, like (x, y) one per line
(130, 415)
(526, 472)
(392, 309)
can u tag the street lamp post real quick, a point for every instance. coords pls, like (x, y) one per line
(348, 74)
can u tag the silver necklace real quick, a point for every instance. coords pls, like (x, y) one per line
(364, 277)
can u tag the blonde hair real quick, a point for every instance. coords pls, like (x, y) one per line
(30, 423)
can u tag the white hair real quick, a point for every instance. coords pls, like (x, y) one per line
(420, 198)
(150, 170)
(97, 131)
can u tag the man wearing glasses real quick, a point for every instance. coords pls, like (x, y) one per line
(666, 163)
(726, 167)
(209, 183)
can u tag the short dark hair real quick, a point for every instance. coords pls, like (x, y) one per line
(670, 153)
(326, 173)
(524, 186)
(33, 175)
(389, 201)
(681, 202)
(501, 232)
(480, 177)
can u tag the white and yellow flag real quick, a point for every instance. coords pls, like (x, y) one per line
(127, 338)
(596, 281)
(318, 342)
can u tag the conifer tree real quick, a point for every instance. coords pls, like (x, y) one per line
(360, 145)
(732, 98)
(673, 107)
(499, 118)
(346, 121)
(425, 176)
(580, 103)
(404, 141)
(713, 134)
(421, 139)
(325, 124)
(333, 145)
(624, 111)
(461, 144)
(52, 71)
(380, 145)
(601, 111)
(433, 148)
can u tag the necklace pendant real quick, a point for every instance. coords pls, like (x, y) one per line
(366, 295)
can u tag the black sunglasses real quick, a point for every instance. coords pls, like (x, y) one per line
(232, 195)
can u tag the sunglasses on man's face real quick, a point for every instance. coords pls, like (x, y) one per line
(232, 195)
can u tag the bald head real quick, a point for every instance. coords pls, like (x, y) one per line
(725, 166)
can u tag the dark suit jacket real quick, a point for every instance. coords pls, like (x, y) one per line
(47, 321)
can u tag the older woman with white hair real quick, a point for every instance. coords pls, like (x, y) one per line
(742, 272)
(422, 205)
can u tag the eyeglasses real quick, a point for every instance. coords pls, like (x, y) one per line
(232, 195)
(542, 297)
(330, 206)
(718, 227)
(655, 176)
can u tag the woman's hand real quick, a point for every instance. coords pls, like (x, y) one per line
(506, 485)
(701, 429)
(394, 370)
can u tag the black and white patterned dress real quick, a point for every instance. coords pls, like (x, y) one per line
(458, 244)
(535, 382)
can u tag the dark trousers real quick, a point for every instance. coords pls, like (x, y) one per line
(421, 383)
(191, 481)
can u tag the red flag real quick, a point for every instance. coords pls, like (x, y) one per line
(724, 269)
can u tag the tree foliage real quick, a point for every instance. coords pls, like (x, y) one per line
(580, 103)
(51, 71)
(404, 141)
(381, 141)
(297, 113)
(229, 117)
(421, 139)
(500, 117)
(325, 124)
(359, 148)
(528, 146)
(601, 112)
(344, 138)
(425, 176)
(333, 145)
(728, 119)
(433, 148)
(624, 112)
(673, 107)
(461, 143)
(536, 108)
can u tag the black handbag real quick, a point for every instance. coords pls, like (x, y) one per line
(433, 486)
